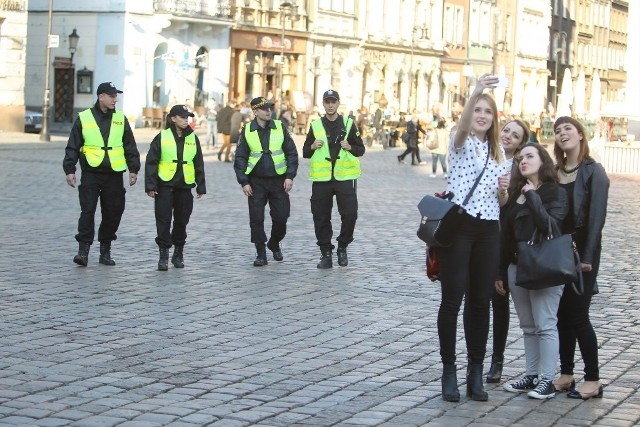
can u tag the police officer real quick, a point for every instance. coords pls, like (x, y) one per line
(174, 165)
(102, 140)
(334, 146)
(266, 163)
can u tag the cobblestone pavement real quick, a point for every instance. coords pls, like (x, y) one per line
(226, 344)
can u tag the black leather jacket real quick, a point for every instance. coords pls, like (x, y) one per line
(590, 196)
(520, 221)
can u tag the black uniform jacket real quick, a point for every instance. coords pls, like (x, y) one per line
(590, 195)
(151, 179)
(265, 167)
(76, 141)
(335, 133)
(520, 221)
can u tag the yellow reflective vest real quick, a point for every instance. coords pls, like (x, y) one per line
(276, 139)
(168, 164)
(93, 147)
(347, 165)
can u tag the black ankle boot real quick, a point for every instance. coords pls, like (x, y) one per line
(449, 380)
(475, 389)
(326, 261)
(163, 261)
(495, 371)
(82, 258)
(105, 254)
(261, 256)
(343, 259)
(177, 257)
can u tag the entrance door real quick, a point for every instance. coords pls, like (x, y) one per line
(63, 92)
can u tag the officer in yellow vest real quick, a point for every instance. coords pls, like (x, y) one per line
(174, 165)
(102, 140)
(266, 163)
(334, 146)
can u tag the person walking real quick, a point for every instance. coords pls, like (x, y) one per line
(440, 148)
(212, 122)
(334, 146)
(469, 266)
(102, 140)
(224, 127)
(174, 165)
(587, 186)
(513, 135)
(413, 129)
(536, 202)
(266, 163)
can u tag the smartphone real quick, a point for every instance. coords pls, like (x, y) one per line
(503, 82)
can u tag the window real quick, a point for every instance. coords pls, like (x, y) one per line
(341, 6)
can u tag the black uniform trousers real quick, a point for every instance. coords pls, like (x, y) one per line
(177, 203)
(268, 189)
(322, 204)
(108, 188)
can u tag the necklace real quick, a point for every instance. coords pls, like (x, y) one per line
(570, 171)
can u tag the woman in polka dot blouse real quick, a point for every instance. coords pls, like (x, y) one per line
(469, 266)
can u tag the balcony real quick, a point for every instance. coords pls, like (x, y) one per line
(193, 8)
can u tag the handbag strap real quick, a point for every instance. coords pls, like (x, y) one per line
(578, 288)
(475, 184)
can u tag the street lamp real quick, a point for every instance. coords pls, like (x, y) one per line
(44, 133)
(286, 8)
(73, 43)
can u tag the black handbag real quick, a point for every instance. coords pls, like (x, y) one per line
(549, 261)
(441, 217)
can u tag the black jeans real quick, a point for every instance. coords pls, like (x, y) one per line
(322, 204)
(270, 190)
(500, 308)
(108, 188)
(468, 269)
(414, 151)
(177, 203)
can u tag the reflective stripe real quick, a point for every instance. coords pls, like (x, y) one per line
(94, 147)
(168, 164)
(347, 166)
(276, 139)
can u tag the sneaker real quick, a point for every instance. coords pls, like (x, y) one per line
(433, 175)
(528, 382)
(445, 176)
(544, 390)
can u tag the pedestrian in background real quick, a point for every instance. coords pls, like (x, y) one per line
(536, 202)
(266, 163)
(469, 266)
(587, 186)
(334, 146)
(212, 122)
(413, 130)
(224, 126)
(513, 135)
(174, 165)
(440, 148)
(102, 140)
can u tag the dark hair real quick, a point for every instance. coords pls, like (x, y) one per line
(525, 130)
(168, 122)
(442, 123)
(584, 144)
(546, 174)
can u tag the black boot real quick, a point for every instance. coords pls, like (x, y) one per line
(176, 258)
(475, 389)
(449, 382)
(261, 256)
(275, 249)
(83, 254)
(343, 260)
(326, 261)
(495, 371)
(163, 262)
(105, 254)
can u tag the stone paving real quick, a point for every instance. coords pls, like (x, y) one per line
(223, 343)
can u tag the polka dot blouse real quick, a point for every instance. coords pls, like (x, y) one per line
(465, 163)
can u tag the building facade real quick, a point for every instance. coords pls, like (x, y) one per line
(13, 49)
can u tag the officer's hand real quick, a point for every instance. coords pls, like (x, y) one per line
(152, 193)
(133, 178)
(316, 144)
(199, 196)
(246, 189)
(500, 289)
(71, 180)
(288, 183)
(344, 144)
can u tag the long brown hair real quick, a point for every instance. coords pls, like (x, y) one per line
(526, 131)
(584, 144)
(493, 133)
(546, 174)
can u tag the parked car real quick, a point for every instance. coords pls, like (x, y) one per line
(32, 121)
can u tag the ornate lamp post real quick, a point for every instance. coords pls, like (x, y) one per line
(44, 133)
(73, 43)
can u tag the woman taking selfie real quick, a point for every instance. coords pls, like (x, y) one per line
(587, 188)
(536, 201)
(469, 266)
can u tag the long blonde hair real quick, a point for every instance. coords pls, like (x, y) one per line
(493, 133)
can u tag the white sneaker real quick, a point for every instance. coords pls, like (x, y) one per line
(445, 176)
(433, 175)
